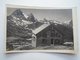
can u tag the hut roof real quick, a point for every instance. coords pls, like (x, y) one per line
(36, 31)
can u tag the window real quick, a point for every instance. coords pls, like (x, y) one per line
(45, 35)
(52, 34)
(44, 41)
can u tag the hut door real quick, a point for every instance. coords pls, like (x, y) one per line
(51, 41)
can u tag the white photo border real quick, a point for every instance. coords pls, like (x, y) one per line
(74, 18)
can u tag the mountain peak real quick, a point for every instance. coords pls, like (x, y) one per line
(31, 17)
(19, 14)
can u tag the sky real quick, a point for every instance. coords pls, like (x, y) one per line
(61, 15)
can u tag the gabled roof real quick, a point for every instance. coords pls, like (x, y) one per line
(42, 27)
